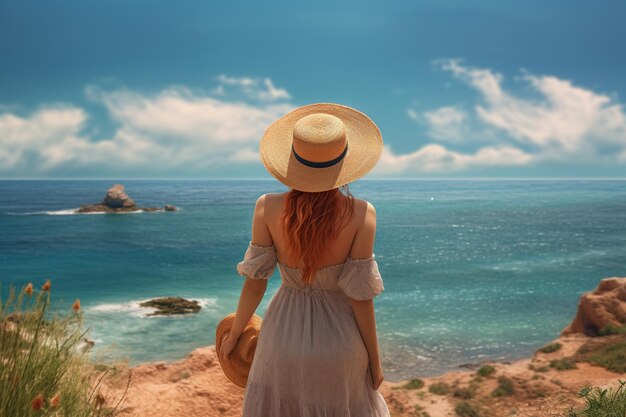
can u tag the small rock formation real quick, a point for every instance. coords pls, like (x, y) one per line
(171, 305)
(117, 201)
(117, 198)
(606, 305)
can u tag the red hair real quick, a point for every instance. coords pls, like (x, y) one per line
(310, 222)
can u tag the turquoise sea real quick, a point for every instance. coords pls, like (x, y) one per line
(473, 269)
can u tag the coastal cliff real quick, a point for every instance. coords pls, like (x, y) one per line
(545, 384)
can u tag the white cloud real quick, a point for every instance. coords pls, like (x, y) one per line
(246, 155)
(446, 123)
(436, 158)
(176, 114)
(260, 89)
(560, 122)
(41, 136)
(564, 120)
(172, 129)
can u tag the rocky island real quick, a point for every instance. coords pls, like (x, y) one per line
(117, 201)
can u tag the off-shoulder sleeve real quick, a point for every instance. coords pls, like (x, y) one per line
(258, 262)
(360, 279)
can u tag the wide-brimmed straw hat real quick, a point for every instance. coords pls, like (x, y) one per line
(237, 366)
(321, 146)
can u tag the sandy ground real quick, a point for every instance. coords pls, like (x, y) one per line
(196, 386)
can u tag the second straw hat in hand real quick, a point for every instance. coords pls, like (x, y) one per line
(321, 146)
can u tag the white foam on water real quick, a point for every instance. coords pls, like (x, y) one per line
(66, 212)
(71, 212)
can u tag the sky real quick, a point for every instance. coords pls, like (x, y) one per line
(459, 89)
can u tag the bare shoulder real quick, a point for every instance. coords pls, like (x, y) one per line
(363, 243)
(270, 202)
(365, 211)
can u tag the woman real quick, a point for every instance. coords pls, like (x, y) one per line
(317, 352)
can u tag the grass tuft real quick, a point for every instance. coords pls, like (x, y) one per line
(44, 368)
(599, 402)
(551, 348)
(439, 388)
(486, 370)
(505, 387)
(464, 409)
(563, 364)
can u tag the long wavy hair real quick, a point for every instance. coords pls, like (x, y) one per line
(310, 222)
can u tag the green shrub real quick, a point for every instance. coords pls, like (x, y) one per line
(463, 393)
(439, 388)
(486, 370)
(552, 347)
(612, 357)
(415, 383)
(563, 364)
(611, 329)
(505, 387)
(43, 370)
(465, 410)
(609, 402)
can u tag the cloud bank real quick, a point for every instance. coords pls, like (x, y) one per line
(199, 131)
(561, 122)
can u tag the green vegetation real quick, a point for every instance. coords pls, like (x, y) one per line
(43, 369)
(439, 388)
(602, 402)
(414, 383)
(563, 364)
(612, 357)
(465, 410)
(538, 369)
(552, 347)
(505, 387)
(486, 370)
(611, 329)
(463, 393)
(419, 411)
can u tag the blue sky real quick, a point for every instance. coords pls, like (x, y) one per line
(186, 89)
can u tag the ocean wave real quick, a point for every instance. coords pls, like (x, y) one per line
(70, 212)
(133, 308)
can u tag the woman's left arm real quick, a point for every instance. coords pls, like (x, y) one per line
(253, 290)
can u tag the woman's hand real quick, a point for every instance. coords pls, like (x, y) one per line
(227, 346)
(377, 375)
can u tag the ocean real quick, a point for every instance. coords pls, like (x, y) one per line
(473, 270)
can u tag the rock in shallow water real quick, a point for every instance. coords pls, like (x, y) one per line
(171, 305)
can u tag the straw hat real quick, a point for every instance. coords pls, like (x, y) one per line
(321, 146)
(237, 366)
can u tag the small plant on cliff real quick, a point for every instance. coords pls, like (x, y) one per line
(612, 357)
(563, 364)
(465, 410)
(599, 402)
(415, 383)
(552, 347)
(43, 368)
(439, 388)
(505, 387)
(610, 329)
(486, 370)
